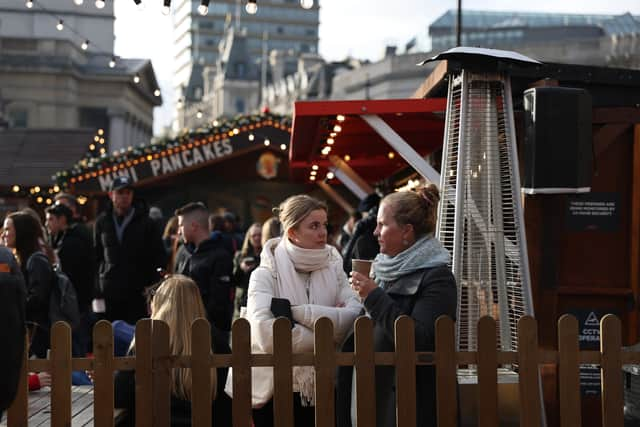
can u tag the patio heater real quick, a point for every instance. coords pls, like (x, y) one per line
(480, 215)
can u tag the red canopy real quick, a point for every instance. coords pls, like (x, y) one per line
(420, 122)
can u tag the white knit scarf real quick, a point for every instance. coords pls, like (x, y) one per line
(291, 260)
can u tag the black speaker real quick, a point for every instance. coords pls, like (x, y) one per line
(558, 152)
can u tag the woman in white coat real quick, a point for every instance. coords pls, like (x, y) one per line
(300, 277)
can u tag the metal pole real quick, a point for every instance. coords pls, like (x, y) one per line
(459, 25)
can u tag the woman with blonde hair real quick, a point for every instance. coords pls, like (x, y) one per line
(299, 277)
(177, 302)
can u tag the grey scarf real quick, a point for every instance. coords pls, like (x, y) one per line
(426, 252)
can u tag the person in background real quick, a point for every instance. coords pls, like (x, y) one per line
(129, 250)
(42, 236)
(230, 231)
(245, 261)
(170, 241)
(410, 276)
(12, 326)
(209, 265)
(347, 229)
(363, 244)
(270, 229)
(77, 221)
(177, 301)
(21, 233)
(76, 261)
(299, 277)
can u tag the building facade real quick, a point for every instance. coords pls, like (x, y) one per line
(60, 97)
(278, 25)
(607, 40)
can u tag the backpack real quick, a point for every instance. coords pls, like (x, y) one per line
(63, 302)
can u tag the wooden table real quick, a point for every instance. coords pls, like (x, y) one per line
(81, 407)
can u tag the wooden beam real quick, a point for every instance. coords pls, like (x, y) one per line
(337, 198)
(634, 264)
(607, 135)
(434, 79)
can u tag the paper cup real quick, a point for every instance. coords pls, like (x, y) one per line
(362, 266)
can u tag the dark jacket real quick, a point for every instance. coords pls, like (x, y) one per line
(362, 244)
(125, 397)
(126, 268)
(38, 277)
(424, 296)
(12, 331)
(75, 252)
(211, 267)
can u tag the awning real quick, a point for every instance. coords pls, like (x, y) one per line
(374, 139)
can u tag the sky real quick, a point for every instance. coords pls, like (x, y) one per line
(357, 28)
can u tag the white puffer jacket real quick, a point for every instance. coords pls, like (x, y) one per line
(346, 307)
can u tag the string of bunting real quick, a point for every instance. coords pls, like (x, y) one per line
(91, 167)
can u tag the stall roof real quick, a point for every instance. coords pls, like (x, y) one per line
(420, 122)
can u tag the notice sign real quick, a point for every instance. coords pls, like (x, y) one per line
(589, 339)
(593, 212)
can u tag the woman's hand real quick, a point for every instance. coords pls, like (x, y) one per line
(45, 379)
(361, 284)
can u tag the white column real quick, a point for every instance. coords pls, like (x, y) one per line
(116, 130)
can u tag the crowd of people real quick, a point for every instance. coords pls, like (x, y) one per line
(124, 268)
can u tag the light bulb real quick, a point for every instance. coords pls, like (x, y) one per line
(60, 25)
(156, 92)
(136, 79)
(251, 7)
(199, 114)
(100, 4)
(306, 4)
(85, 45)
(203, 9)
(78, 2)
(29, 4)
(112, 63)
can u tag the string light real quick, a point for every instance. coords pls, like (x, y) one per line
(203, 9)
(340, 118)
(29, 4)
(251, 137)
(347, 157)
(166, 7)
(78, 2)
(156, 92)
(306, 4)
(251, 7)
(283, 147)
(15, 188)
(199, 114)
(267, 142)
(330, 175)
(100, 4)
(100, 132)
(314, 167)
(112, 63)
(391, 155)
(60, 25)
(85, 45)
(337, 128)
(136, 78)
(330, 141)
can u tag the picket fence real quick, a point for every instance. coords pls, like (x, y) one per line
(153, 363)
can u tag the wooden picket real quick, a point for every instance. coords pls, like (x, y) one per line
(153, 364)
(569, 372)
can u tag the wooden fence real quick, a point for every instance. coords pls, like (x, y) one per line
(153, 362)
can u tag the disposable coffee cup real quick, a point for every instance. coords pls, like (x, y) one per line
(362, 266)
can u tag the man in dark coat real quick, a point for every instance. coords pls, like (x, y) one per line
(210, 265)
(363, 244)
(76, 261)
(129, 251)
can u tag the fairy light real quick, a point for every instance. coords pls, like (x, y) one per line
(267, 142)
(314, 167)
(347, 157)
(15, 188)
(337, 128)
(251, 7)
(251, 137)
(283, 147)
(340, 118)
(136, 78)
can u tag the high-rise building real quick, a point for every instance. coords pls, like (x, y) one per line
(278, 24)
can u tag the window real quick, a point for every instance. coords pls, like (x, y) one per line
(18, 118)
(239, 105)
